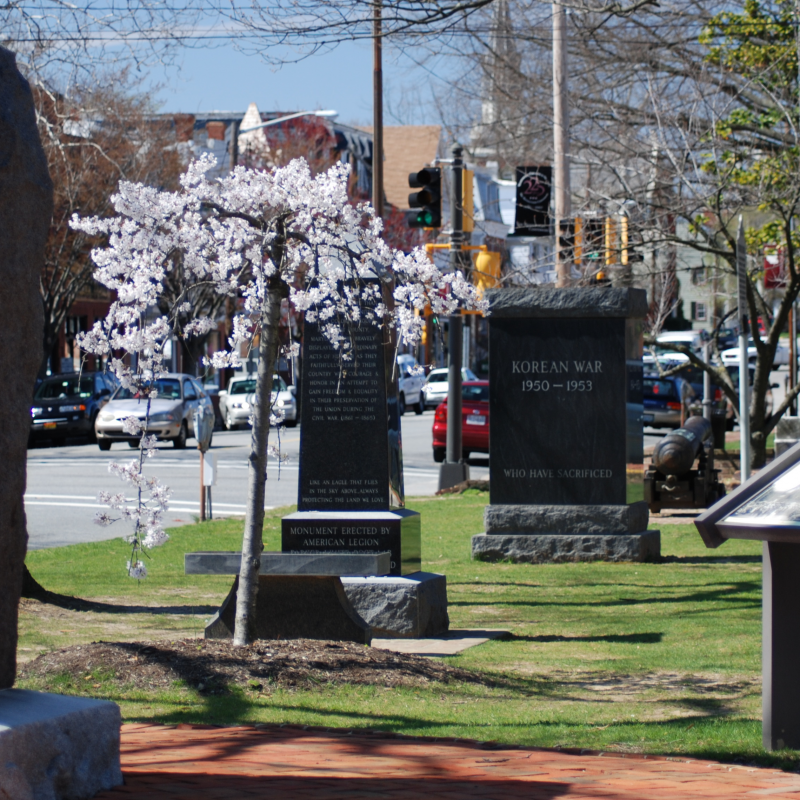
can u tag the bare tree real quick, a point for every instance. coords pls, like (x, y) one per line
(93, 139)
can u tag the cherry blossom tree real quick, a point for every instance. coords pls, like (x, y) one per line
(262, 236)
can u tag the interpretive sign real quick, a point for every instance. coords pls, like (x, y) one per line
(767, 507)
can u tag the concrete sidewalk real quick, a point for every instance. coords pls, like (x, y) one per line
(270, 761)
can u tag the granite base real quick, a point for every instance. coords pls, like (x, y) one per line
(410, 607)
(295, 607)
(533, 548)
(557, 519)
(57, 748)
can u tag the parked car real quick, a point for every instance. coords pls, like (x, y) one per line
(68, 404)
(172, 410)
(474, 421)
(692, 339)
(435, 389)
(731, 355)
(410, 382)
(662, 402)
(235, 401)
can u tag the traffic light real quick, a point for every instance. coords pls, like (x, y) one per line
(428, 199)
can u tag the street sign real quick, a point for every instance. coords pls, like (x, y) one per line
(741, 275)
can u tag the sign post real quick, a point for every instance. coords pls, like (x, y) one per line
(744, 365)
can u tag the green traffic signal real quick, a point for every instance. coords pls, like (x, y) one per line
(428, 199)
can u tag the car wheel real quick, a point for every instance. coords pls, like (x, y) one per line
(401, 407)
(179, 442)
(92, 431)
(133, 442)
(290, 423)
(104, 444)
(419, 406)
(439, 454)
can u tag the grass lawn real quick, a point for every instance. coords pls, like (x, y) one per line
(657, 658)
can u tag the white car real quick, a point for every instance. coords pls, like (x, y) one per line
(234, 402)
(690, 339)
(410, 381)
(435, 389)
(730, 357)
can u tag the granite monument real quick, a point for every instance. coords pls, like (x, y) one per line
(350, 494)
(566, 446)
(50, 746)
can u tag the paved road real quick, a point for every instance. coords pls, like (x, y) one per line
(61, 499)
(63, 482)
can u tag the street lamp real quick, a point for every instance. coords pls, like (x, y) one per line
(322, 113)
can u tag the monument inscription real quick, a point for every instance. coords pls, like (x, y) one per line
(343, 405)
(558, 410)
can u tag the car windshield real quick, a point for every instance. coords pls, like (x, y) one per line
(73, 386)
(475, 393)
(243, 387)
(659, 388)
(166, 389)
(249, 386)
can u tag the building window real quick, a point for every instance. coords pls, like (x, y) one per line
(699, 276)
(699, 312)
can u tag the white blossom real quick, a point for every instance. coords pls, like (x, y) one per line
(240, 236)
(137, 569)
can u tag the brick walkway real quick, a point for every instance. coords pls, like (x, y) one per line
(277, 763)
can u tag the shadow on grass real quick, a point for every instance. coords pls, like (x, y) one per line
(70, 603)
(710, 560)
(728, 592)
(621, 638)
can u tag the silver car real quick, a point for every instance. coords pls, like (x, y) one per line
(172, 410)
(234, 402)
(435, 389)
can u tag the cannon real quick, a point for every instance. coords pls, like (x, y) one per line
(673, 480)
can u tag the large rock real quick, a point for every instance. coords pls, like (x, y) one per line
(26, 205)
(57, 748)
(395, 607)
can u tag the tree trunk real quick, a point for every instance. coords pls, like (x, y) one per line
(252, 544)
(758, 445)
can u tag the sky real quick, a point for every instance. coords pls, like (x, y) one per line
(222, 78)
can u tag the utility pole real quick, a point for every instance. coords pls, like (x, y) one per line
(377, 110)
(454, 471)
(561, 184)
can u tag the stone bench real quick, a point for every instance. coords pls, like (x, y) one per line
(300, 596)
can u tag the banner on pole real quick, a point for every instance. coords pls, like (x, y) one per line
(534, 189)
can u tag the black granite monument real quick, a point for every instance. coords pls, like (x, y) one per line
(767, 508)
(566, 447)
(350, 496)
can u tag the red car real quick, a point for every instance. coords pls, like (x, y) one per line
(474, 421)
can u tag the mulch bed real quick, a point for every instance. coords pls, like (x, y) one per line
(211, 666)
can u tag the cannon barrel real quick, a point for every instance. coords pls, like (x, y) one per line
(675, 454)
